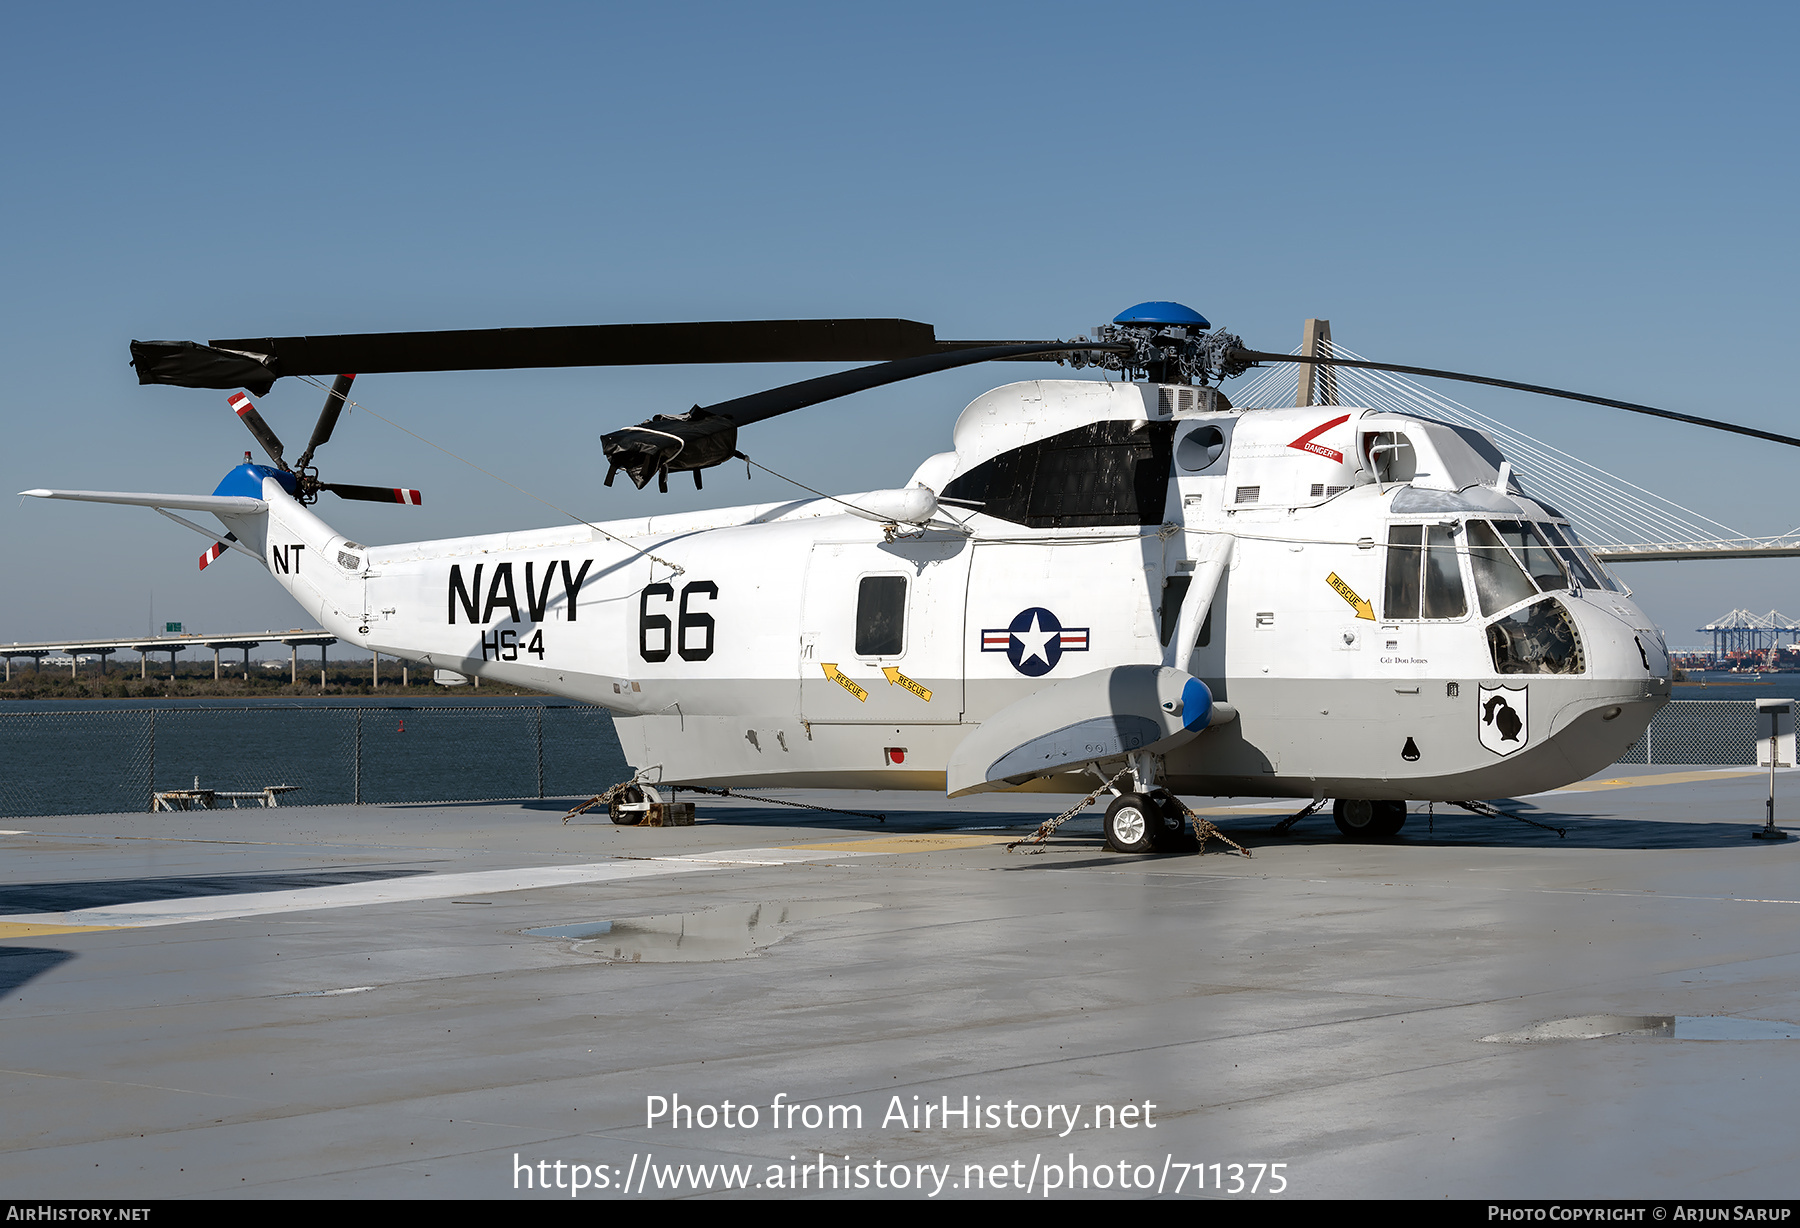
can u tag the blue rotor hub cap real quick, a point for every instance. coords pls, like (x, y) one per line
(247, 480)
(1162, 313)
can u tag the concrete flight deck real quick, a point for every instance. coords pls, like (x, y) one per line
(346, 1001)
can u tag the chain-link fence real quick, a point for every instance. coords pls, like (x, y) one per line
(100, 760)
(1699, 731)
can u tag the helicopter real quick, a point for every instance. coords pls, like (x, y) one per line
(1122, 580)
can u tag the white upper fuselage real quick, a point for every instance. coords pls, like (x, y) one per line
(793, 643)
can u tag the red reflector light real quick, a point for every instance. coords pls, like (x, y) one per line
(896, 754)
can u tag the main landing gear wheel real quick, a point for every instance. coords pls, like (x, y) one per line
(1132, 822)
(1171, 833)
(1366, 820)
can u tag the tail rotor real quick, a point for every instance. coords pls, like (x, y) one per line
(306, 481)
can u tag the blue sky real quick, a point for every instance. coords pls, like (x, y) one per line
(1595, 196)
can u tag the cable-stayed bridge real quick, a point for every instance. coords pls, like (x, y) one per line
(1621, 521)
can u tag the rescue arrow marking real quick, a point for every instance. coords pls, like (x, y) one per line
(900, 679)
(831, 672)
(1361, 607)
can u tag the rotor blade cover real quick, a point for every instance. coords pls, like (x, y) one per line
(188, 364)
(671, 443)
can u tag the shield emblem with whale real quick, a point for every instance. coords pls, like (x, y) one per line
(1505, 718)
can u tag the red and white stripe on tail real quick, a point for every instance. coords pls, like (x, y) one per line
(218, 548)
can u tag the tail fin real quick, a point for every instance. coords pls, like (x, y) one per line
(319, 566)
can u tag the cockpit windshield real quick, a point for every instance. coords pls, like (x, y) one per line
(1530, 548)
(1511, 561)
(1577, 556)
(1499, 579)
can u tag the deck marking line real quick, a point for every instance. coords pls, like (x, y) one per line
(1665, 778)
(402, 890)
(907, 844)
(346, 895)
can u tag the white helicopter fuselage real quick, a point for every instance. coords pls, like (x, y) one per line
(1376, 609)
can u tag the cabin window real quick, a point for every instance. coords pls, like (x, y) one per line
(1174, 593)
(1424, 579)
(881, 616)
(1113, 473)
(1539, 639)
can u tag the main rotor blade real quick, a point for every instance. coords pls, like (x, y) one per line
(374, 494)
(1259, 356)
(246, 412)
(592, 345)
(328, 416)
(761, 405)
(704, 437)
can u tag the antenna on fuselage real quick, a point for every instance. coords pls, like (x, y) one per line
(1316, 343)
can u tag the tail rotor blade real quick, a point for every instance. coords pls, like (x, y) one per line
(246, 412)
(215, 550)
(328, 416)
(374, 494)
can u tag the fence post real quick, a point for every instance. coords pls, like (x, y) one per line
(153, 761)
(1649, 756)
(540, 749)
(356, 771)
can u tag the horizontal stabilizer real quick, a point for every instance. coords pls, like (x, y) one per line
(237, 505)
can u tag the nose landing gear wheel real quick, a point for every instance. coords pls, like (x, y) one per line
(632, 796)
(1365, 820)
(1131, 823)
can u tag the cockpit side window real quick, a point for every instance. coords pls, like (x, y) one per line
(1443, 576)
(1406, 552)
(1113, 473)
(1424, 579)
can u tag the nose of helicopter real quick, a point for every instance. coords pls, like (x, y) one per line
(1622, 643)
(1626, 682)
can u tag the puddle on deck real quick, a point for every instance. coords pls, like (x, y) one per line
(731, 931)
(1674, 1027)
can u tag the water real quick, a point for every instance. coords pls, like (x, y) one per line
(1723, 684)
(62, 757)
